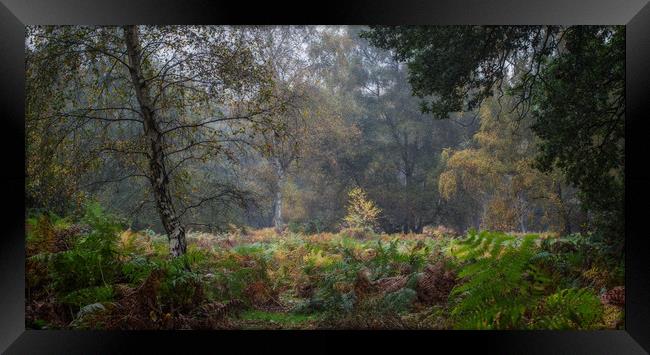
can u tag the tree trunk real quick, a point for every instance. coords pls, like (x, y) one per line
(480, 216)
(417, 226)
(158, 173)
(408, 218)
(566, 218)
(522, 213)
(277, 203)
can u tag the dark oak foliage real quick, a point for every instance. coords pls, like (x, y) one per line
(570, 79)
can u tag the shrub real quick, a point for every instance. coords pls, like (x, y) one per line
(362, 213)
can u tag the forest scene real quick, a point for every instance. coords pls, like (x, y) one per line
(325, 177)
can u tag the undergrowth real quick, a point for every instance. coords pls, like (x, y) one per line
(91, 273)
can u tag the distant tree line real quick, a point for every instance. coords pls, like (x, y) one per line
(176, 127)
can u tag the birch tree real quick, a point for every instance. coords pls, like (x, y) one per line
(153, 98)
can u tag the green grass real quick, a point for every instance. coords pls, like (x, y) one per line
(264, 319)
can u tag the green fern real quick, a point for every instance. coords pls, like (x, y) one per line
(569, 309)
(85, 296)
(92, 259)
(398, 301)
(500, 285)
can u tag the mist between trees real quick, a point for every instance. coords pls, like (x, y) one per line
(515, 129)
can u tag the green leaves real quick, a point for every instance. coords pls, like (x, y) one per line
(89, 295)
(498, 289)
(504, 288)
(580, 118)
(569, 309)
(457, 65)
(571, 81)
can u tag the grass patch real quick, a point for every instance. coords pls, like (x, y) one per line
(281, 320)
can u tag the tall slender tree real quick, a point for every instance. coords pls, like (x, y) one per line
(155, 98)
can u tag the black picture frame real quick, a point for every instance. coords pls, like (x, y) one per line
(15, 14)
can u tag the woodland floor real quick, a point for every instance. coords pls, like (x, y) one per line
(78, 277)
